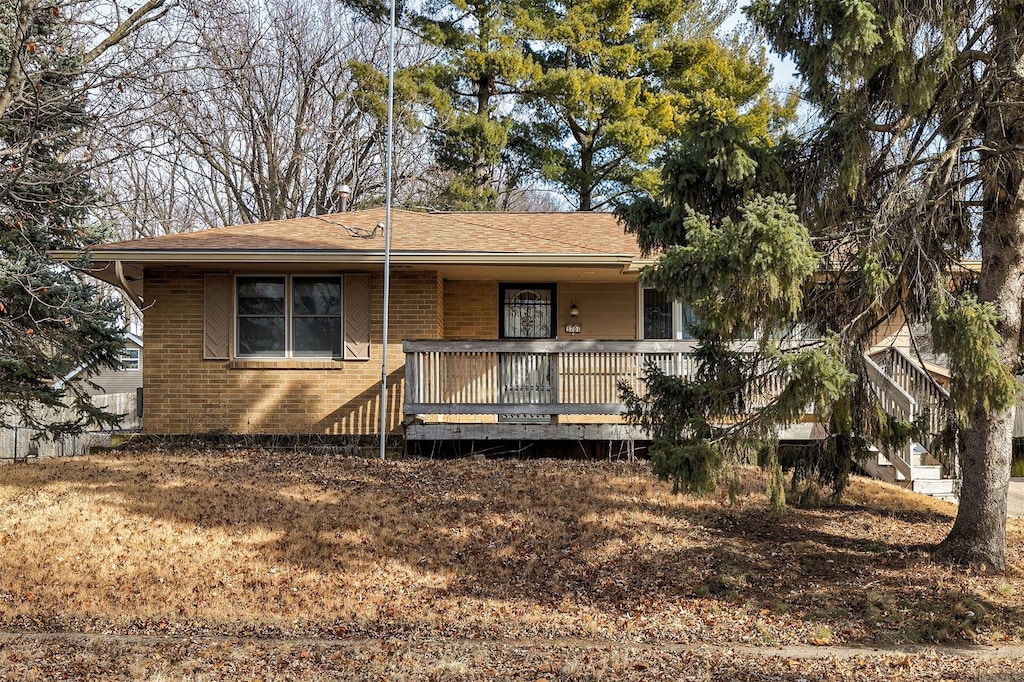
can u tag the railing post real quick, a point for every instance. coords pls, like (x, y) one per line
(412, 384)
(553, 382)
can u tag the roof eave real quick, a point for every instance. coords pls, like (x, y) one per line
(153, 256)
(638, 264)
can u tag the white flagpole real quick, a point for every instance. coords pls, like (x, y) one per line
(387, 233)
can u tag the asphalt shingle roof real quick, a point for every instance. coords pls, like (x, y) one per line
(583, 233)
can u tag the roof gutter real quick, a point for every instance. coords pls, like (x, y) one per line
(638, 264)
(358, 257)
(133, 297)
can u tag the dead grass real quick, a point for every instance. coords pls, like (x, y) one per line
(166, 659)
(255, 543)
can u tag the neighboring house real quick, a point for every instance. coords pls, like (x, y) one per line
(126, 379)
(115, 390)
(503, 326)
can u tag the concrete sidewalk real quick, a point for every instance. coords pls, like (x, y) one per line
(1015, 499)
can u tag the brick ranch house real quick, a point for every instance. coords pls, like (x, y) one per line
(503, 327)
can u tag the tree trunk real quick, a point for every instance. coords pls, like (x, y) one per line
(481, 168)
(978, 535)
(586, 176)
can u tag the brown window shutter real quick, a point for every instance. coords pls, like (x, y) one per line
(357, 317)
(217, 317)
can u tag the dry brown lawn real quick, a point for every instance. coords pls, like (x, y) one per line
(208, 565)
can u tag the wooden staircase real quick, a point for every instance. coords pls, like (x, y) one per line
(907, 391)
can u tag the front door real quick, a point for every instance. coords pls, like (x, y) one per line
(527, 312)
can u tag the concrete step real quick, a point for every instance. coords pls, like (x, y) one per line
(926, 473)
(919, 456)
(940, 487)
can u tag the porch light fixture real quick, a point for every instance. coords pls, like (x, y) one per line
(574, 311)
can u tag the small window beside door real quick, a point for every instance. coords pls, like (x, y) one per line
(664, 318)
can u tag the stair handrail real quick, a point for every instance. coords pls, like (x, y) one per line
(920, 384)
(915, 366)
(896, 402)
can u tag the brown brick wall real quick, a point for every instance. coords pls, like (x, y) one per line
(470, 310)
(186, 394)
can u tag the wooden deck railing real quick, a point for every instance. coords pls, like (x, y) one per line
(927, 394)
(582, 377)
(898, 403)
(545, 377)
(532, 377)
(906, 392)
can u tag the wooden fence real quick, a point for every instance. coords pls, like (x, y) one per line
(21, 443)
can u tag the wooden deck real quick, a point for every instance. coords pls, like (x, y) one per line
(571, 391)
(524, 432)
(535, 390)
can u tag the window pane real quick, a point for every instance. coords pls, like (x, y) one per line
(317, 336)
(657, 315)
(130, 358)
(316, 296)
(689, 322)
(261, 296)
(261, 336)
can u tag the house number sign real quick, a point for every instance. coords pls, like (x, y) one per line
(573, 329)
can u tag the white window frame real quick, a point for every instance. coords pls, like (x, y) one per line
(678, 333)
(127, 360)
(289, 352)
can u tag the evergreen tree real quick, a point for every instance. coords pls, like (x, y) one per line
(472, 90)
(744, 278)
(51, 321)
(916, 164)
(734, 251)
(724, 149)
(618, 80)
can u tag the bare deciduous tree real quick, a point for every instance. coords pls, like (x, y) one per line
(260, 111)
